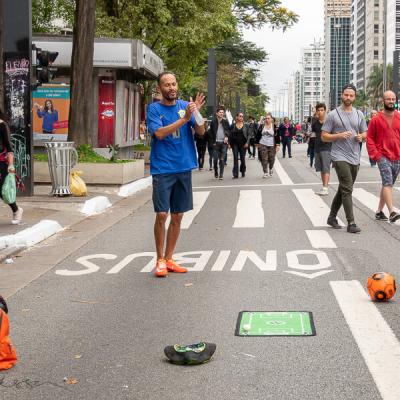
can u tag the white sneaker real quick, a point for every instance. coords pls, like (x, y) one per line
(17, 216)
(323, 192)
(265, 175)
(271, 172)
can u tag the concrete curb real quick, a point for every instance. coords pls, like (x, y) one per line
(8, 252)
(134, 187)
(31, 236)
(96, 205)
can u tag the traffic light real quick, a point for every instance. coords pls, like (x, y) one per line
(44, 70)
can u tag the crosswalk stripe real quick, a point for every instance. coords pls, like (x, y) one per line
(199, 199)
(282, 175)
(368, 199)
(374, 337)
(249, 211)
(320, 239)
(315, 208)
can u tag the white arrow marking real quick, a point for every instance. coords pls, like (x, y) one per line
(310, 276)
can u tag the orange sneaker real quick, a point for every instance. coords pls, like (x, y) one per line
(172, 266)
(161, 268)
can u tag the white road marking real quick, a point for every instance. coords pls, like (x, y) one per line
(282, 175)
(249, 211)
(222, 186)
(315, 208)
(368, 199)
(310, 276)
(270, 264)
(294, 262)
(199, 199)
(374, 337)
(221, 261)
(320, 239)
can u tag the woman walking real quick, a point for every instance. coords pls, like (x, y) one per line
(239, 140)
(267, 141)
(7, 165)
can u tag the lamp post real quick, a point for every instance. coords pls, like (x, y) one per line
(384, 45)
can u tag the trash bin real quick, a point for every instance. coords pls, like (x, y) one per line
(62, 156)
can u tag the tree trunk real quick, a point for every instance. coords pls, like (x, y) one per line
(1, 57)
(82, 97)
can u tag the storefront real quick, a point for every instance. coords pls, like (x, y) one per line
(118, 66)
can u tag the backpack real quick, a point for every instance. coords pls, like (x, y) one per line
(8, 355)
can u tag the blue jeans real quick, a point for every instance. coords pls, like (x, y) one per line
(287, 142)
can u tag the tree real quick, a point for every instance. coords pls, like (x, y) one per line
(375, 84)
(81, 108)
(362, 100)
(1, 58)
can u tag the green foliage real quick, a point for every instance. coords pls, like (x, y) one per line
(361, 99)
(375, 84)
(141, 147)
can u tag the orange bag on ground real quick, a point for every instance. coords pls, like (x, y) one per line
(8, 355)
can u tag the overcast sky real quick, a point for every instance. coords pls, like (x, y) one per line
(284, 48)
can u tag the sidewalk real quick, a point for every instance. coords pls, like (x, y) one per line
(45, 215)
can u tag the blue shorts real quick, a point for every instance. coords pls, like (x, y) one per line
(173, 192)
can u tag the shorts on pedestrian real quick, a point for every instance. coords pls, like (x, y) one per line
(389, 171)
(323, 162)
(173, 192)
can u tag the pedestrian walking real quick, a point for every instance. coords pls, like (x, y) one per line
(239, 140)
(7, 164)
(383, 144)
(286, 132)
(346, 128)
(219, 137)
(201, 146)
(322, 150)
(172, 159)
(267, 141)
(253, 128)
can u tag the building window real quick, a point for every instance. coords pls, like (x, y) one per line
(376, 54)
(376, 28)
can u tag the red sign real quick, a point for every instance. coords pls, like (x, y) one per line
(60, 125)
(106, 116)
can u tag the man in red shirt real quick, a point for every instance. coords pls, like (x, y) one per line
(383, 144)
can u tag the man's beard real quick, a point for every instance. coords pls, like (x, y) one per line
(169, 96)
(388, 107)
(348, 102)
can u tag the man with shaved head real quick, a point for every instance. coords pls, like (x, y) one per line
(383, 144)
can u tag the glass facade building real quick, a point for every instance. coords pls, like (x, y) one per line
(339, 29)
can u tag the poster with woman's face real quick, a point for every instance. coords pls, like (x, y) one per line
(50, 112)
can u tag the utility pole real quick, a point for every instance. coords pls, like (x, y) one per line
(384, 45)
(212, 84)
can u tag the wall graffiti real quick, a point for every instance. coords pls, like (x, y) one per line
(17, 97)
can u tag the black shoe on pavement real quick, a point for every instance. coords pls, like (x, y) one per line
(235, 177)
(394, 216)
(221, 178)
(333, 222)
(216, 175)
(353, 228)
(380, 216)
(243, 174)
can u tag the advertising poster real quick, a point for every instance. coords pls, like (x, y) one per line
(50, 112)
(106, 117)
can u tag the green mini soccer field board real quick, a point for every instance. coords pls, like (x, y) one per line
(275, 323)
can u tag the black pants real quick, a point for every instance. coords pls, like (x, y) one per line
(201, 152)
(3, 174)
(287, 142)
(251, 147)
(238, 151)
(210, 150)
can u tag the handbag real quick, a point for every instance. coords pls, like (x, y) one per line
(9, 189)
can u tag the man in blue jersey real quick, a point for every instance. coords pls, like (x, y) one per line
(172, 158)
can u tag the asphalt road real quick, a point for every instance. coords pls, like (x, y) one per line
(101, 319)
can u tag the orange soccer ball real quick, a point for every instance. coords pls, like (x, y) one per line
(381, 286)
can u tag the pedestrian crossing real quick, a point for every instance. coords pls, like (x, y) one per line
(250, 213)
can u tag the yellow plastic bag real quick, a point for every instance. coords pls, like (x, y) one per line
(77, 184)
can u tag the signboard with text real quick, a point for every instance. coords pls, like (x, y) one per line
(106, 114)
